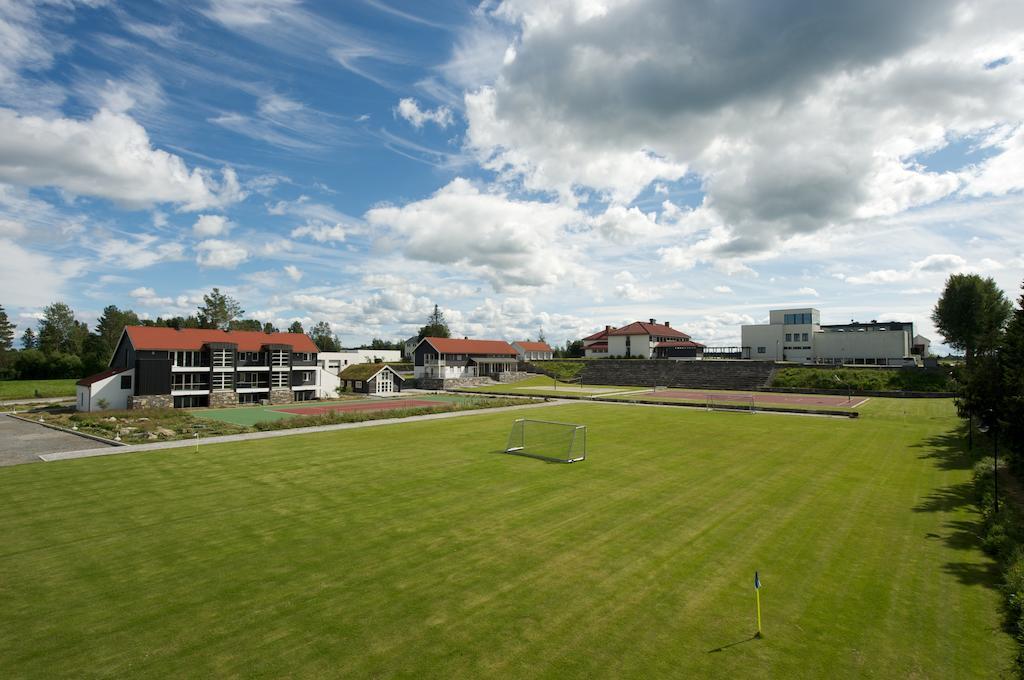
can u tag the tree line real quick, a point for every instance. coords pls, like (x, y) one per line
(61, 346)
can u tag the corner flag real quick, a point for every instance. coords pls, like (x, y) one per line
(757, 596)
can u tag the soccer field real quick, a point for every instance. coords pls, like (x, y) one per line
(418, 550)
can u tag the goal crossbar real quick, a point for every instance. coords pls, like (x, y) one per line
(745, 403)
(548, 440)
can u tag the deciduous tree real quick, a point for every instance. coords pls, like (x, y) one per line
(219, 310)
(971, 314)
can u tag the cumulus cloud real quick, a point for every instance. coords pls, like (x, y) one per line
(293, 272)
(218, 253)
(722, 289)
(30, 279)
(507, 241)
(148, 297)
(109, 156)
(807, 291)
(410, 110)
(627, 287)
(940, 263)
(796, 117)
(211, 225)
(137, 252)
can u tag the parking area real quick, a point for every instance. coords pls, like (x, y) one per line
(22, 442)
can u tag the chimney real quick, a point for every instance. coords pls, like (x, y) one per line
(465, 337)
(668, 325)
(874, 321)
(607, 329)
(653, 322)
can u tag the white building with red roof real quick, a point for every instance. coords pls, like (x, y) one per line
(652, 340)
(529, 351)
(454, 358)
(167, 367)
(596, 346)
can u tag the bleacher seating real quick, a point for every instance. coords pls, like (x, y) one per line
(716, 375)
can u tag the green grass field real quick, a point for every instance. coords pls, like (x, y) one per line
(28, 389)
(552, 388)
(418, 550)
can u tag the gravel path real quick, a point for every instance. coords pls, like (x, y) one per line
(22, 442)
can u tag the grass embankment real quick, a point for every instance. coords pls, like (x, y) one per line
(865, 379)
(417, 550)
(36, 389)
(545, 386)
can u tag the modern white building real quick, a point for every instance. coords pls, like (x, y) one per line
(110, 389)
(798, 335)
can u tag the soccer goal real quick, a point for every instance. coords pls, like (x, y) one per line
(732, 402)
(559, 442)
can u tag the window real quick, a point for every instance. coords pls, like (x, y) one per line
(223, 381)
(804, 337)
(189, 381)
(126, 382)
(359, 384)
(190, 359)
(760, 350)
(278, 357)
(279, 379)
(223, 358)
(789, 336)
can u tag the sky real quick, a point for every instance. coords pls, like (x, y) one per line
(523, 164)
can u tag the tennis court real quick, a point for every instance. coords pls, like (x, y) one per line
(380, 405)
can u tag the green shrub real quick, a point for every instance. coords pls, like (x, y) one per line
(881, 380)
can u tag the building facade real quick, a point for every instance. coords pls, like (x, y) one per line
(529, 351)
(651, 340)
(376, 379)
(451, 358)
(192, 367)
(798, 335)
(596, 346)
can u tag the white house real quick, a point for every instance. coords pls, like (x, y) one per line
(798, 335)
(451, 358)
(104, 391)
(652, 340)
(528, 351)
(596, 346)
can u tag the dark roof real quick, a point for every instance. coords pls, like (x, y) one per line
(102, 375)
(679, 343)
(162, 338)
(467, 346)
(597, 345)
(365, 371)
(645, 328)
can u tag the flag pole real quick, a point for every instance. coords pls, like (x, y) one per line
(757, 598)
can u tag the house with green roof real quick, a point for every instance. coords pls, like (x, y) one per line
(371, 379)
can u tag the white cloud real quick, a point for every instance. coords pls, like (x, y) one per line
(211, 225)
(319, 231)
(722, 289)
(218, 253)
(137, 252)
(932, 264)
(507, 241)
(807, 291)
(29, 278)
(146, 296)
(628, 288)
(293, 272)
(410, 110)
(109, 156)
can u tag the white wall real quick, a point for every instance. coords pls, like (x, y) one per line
(88, 397)
(768, 336)
(639, 346)
(862, 345)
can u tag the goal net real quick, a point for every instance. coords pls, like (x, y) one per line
(561, 442)
(732, 402)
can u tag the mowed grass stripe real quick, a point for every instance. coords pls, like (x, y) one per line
(417, 550)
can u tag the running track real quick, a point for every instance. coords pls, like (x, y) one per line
(762, 397)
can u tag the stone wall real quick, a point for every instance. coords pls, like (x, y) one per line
(513, 376)
(282, 396)
(151, 401)
(711, 374)
(223, 398)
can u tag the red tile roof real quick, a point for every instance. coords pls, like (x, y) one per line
(466, 346)
(102, 375)
(679, 343)
(154, 337)
(534, 346)
(598, 346)
(644, 328)
(603, 333)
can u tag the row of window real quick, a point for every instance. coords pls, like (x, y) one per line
(797, 337)
(225, 357)
(803, 317)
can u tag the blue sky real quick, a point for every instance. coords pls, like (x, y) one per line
(523, 164)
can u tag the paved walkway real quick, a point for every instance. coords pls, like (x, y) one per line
(22, 442)
(182, 443)
(35, 400)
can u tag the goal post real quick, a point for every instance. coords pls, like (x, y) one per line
(745, 403)
(548, 440)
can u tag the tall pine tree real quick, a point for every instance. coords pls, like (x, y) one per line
(6, 332)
